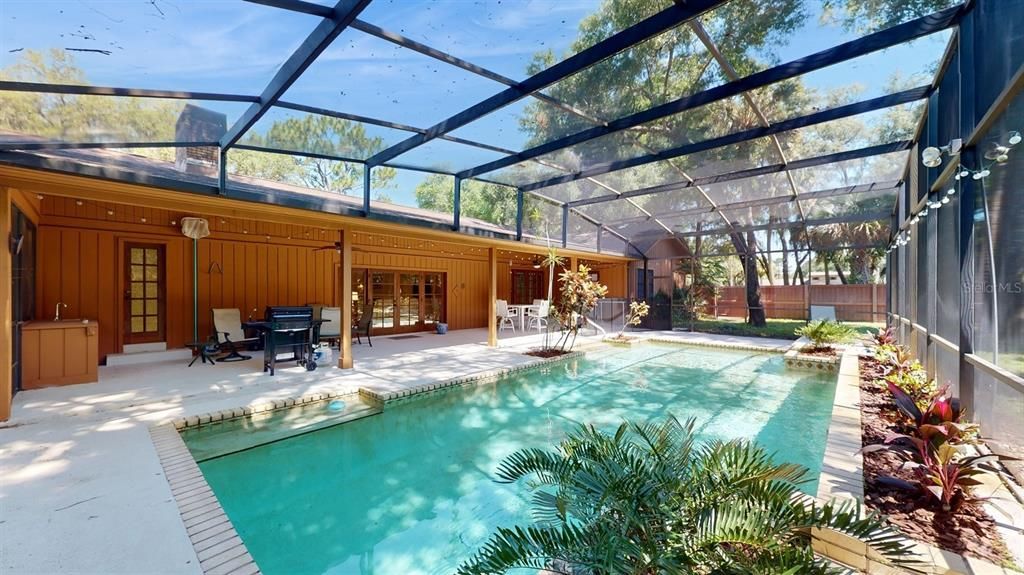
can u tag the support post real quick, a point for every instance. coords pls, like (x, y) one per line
(967, 289)
(966, 51)
(644, 282)
(565, 225)
(457, 205)
(222, 172)
(492, 297)
(6, 313)
(600, 229)
(345, 300)
(195, 289)
(366, 189)
(519, 215)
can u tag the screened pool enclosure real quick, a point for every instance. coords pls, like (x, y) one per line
(777, 140)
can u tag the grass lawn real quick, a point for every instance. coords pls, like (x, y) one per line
(776, 328)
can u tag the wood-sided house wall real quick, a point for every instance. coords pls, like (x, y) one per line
(244, 264)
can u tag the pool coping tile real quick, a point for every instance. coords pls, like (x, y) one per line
(199, 510)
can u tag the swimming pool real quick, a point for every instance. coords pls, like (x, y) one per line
(411, 490)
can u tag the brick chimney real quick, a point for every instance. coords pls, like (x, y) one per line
(197, 124)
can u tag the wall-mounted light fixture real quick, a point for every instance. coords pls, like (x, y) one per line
(931, 156)
(998, 153)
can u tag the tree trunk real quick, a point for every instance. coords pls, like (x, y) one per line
(839, 270)
(785, 258)
(755, 313)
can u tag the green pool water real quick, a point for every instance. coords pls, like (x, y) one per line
(411, 490)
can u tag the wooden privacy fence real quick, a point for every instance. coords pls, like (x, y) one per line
(860, 302)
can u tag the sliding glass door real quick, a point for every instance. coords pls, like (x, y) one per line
(403, 301)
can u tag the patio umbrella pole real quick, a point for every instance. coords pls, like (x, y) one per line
(195, 289)
(195, 228)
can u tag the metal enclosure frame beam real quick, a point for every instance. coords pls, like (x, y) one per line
(867, 152)
(855, 48)
(735, 138)
(79, 90)
(344, 12)
(648, 28)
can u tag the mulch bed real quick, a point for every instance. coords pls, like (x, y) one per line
(546, 352)
(819, 351)
(969, 531)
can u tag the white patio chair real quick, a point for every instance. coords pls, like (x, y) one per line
(538, 316)
(227, 322)
(505, 316)
(330, 330)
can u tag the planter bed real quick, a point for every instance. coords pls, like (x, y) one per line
(800, 356)
(970, 531)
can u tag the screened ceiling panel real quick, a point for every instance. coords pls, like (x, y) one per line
(850, 204)
(580, 189)
(229, 47)
(612, 244)
(705, 122)
(446, 156)
(608, 148)
(781, 213)
(316, 177)
(524, 123)
(285, 129)
(636, 229)
(846, 134)
(754, 188)
(364, 75)
(581, 233)
(750, 154)
(904, 66)
(599, 90)
(614, 211)
(37, 116)
(704, 221)
(524, 173)
(880, 168)
(504, 37)
(689, 198)
(803, 28)
(853, 234)
(423, 194)
(542, 221)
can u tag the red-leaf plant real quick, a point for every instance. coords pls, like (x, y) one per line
(884, 337)
(930, 452)
(942, 421)
(938, 471)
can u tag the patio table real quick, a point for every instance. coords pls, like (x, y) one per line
(523, 307)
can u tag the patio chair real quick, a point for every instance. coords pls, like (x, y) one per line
(362, 327)
(505, 316)
(330, 330)
(227, 323)
(538, 318)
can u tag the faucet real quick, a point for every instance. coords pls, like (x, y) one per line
(60, 304)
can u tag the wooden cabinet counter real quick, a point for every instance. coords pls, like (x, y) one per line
(59, 352)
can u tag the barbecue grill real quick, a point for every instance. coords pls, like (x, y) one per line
(287, 329)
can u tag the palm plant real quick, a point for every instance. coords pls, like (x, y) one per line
(648, 499)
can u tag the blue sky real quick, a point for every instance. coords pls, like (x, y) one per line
(233, 46)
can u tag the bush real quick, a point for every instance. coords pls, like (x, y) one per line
(649, 499)
(824, 332)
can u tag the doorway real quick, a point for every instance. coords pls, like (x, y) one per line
(23, 285)
(402, 301)
(527, 285)
(144, 293)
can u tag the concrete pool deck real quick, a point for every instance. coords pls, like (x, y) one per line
(82, 488)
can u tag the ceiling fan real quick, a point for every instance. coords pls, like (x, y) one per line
(336, 246)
